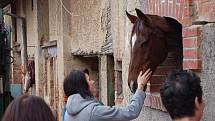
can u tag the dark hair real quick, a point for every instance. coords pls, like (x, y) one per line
(178, 93)
(75, 83)
(86, 71)
(28, 108)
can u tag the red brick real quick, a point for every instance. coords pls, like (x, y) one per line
(190, 2)
(178, 2)
(153, 6)
(186, 3)
(174, 8)
(158, 103)
(170, 6)
(162, 8)
(187, 21)
(212, 11)
(186, 12)
(17, 74)
(154, 101)
(192, 31)
(166, 9)
(191, 53)
(203, 1)
(191, 42)
(177, 11)
(147, 8)
(159, 7)
(147, 101)
(150, 7)
(204, 9)
(156, 7)
(192, 64)
(116, 81)
(182, 4)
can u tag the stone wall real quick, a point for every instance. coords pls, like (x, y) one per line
(207, 73)
(85, 27)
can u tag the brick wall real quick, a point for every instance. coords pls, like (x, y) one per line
(195, 10)
(205, 10)
(16, 73)
(118, 87)
(191, 35)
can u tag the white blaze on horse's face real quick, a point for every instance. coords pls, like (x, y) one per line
(133, 40)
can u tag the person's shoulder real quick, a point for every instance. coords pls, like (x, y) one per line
(96, 103)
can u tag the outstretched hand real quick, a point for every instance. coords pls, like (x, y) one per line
(142, 79)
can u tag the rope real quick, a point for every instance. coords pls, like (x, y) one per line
(64, 7)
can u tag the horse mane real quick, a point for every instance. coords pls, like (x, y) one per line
(174, 24)
(175, 33)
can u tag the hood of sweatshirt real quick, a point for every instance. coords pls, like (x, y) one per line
(76, 103)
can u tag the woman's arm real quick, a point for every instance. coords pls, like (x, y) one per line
(131, 111)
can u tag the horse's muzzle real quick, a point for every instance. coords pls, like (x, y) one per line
(133, 86)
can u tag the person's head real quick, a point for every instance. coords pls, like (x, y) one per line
(90, 82)
(76, 83)
(87, 74)
(181, 94)
(28, 108)
(86, 71)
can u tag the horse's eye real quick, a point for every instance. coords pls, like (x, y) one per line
(144, 43)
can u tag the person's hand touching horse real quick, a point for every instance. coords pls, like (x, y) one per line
(143, 78)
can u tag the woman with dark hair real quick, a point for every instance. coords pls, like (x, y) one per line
(28, 108)
(92, 88)
(91, 83)
(82, 106)
(86, 71)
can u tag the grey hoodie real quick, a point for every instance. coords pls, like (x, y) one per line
(80, 109)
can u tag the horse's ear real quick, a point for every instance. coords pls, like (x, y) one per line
(142, 16)
(132, 18)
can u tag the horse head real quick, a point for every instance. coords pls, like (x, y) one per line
(149, 43)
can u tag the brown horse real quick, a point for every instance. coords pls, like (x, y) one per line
(152, 38)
